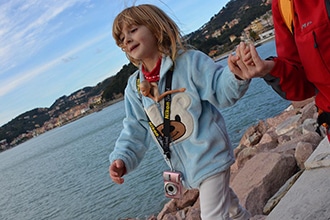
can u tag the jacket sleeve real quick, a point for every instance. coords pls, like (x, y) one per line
(288, 77)
(133, 140)
(215, 83)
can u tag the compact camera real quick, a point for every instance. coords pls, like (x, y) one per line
(172, 184)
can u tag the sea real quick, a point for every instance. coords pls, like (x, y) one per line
(63, 173)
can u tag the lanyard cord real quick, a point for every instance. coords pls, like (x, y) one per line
(164, 141)
(167, 113)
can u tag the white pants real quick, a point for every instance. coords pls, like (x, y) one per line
(218, 200)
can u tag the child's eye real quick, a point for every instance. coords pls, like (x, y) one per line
(133, 30)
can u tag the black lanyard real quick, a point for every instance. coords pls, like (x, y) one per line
(164, 141)
(167, 113)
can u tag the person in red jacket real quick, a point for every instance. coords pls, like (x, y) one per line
(302, 67)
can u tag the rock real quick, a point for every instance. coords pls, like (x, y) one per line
(245, 138)
(303, 151)
(245, 155)
(275, 121)
(308, 111)
(272, 202)
(288, 125)
(258, 217)
(254, 138)
(262, 127)
(309, 125)
(283, 139)
(320, 157)
(269, 136)
(189, 199)
(175, 205)
(266, 146)
(193, 213)
(312, 137)
(260, 178)
(238, 149)
(300, 104)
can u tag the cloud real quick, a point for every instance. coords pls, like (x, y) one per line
(69, 59)
(13, 82)
(23, 77)
(98, 51)
(27, 27)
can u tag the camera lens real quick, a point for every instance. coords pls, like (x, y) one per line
(171, 189)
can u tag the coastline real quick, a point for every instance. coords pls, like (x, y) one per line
(98, 108)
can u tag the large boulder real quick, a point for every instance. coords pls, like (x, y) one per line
(261, 177)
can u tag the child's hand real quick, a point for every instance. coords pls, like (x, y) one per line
(247, 64)
(117, 169)
(232, 64)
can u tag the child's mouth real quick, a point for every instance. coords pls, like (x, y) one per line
(134, 47)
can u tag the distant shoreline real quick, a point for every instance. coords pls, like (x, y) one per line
(95, 109)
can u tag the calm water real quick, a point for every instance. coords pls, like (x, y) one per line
(63, 174)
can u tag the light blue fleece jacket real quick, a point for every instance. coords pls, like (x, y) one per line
(200, 146)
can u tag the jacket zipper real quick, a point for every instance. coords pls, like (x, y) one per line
(315, 42)
(316, 46)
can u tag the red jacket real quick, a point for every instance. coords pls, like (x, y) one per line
(302, 68)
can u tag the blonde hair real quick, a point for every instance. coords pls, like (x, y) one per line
(157, 21)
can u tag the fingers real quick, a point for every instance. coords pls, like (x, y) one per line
(232, 59)
(254, 55)
(246, 53)
(232, 64)
(247, 64)
(117, 170)
(243, 69)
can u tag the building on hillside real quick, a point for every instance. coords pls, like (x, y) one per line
(267, 34)
(257, 26)
(3, 144)
(216, 33)
(232, 38)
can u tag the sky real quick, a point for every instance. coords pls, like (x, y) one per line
(51, 48)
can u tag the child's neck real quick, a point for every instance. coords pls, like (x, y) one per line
(153, 74)
(150, 64)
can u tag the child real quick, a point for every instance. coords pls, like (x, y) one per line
(190, 130)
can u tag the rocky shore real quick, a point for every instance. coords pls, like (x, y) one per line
(269, 158)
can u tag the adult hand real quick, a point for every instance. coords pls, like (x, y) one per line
(247, 64)
(116, 170)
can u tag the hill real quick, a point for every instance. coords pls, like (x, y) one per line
(232, 19)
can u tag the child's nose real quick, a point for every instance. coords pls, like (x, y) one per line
(127, 40)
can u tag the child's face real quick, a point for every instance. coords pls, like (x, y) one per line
(138, 42)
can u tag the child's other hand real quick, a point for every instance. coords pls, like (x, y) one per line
(232, 64)
(117, 169)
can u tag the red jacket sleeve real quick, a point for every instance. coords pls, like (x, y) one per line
(291, 82)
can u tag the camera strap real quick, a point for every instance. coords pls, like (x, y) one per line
(167, 113)
(165, 139)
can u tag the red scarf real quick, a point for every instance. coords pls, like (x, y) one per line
(153, 75)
